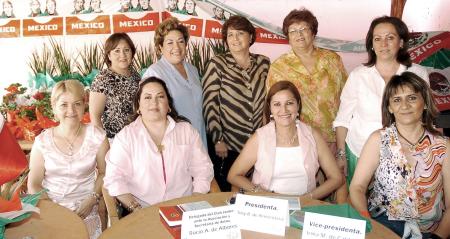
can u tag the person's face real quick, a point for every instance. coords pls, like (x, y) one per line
(386, 41)
(125, 4)
(284, 108)
(8, 9)
(51, 7)
(95, 4)
(79, 5)
(69, 108)
(153, 102)
(218, 12)
(172, 3)
(300, 35)
(174, 47)
(134, 3)
(407, 106)
(35, 6)
(144, 3)
(121, 56)
(190, 6)
(238, 40)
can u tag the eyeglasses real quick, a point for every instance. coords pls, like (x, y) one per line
(298, 31)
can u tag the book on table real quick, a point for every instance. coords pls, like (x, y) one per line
(171, 216)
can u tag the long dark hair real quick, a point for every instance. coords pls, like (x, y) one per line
(173, 112)
(417, 84)
(402, 31)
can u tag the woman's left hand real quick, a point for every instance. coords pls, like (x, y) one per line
(86, 207)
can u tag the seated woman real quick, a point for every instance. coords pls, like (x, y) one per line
(69, 159)
(286, 153)
(159, 155)
(409, 163)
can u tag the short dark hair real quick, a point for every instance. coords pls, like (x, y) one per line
(418, 85)
(277, 87)
(136, 102)
(170, 24)
(112, 43)
(238, 23)
(402, 31)
(300, 15)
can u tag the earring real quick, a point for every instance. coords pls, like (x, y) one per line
(138, 112)
(373, 49)
(170, 110)
(271, 116)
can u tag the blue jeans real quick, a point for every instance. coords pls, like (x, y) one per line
(396, 226)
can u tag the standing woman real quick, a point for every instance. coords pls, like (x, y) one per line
(69, 159)
(182, 78)
(234, 93)
(359, 112)
(113, 90)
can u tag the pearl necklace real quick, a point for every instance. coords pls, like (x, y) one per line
(71, 143)
(411, 146)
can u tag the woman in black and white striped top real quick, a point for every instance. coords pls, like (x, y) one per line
(233, 96)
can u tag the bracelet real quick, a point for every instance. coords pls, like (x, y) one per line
(96, 196)
(133, 206)
(340, 154)
(255, 189)
(434, 236)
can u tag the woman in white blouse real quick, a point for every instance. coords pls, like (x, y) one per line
(360, 108)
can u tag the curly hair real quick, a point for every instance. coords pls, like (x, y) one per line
(170, 24)
(300, 15)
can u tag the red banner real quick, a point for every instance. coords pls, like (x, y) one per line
(194, 25)
(213, 29)
(10, 29)
(265, 36)
(52, 27)
(429, 47)
(98, 25)
(124, 23)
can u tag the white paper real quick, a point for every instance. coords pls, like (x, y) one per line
(217, 223)
(319, 226)
(262, 214)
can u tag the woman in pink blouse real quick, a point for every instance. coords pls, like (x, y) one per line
(158, 156)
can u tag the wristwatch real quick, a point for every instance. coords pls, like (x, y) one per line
(340, 154)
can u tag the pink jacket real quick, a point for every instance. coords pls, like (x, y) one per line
(266, 154)
(134, 165)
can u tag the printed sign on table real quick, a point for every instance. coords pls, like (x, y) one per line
(217, 223)
(319, 226)
(43, 26)
(126, 23)
(262, 214)
(75, 25)
(9, 28)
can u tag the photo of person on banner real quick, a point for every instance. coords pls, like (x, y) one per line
(94, 7)
(189, 8)
(125, 6)
(78, 7)
(35, 8)
(7, 10)
(219, 14)
(145, 5)
(172, 6)
(50, 9)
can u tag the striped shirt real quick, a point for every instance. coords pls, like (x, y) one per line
(233, 98)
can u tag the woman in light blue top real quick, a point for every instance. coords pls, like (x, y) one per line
(181, 78)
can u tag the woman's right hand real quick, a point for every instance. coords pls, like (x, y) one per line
(221, 149)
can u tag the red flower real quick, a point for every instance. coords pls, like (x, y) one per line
(38, 96)
(12, 88)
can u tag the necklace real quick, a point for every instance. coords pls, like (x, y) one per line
(70, 143)
(410, 144)
(290, 141)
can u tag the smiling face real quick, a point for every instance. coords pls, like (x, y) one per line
(174, 47)
(407, 106)
(300, 35)
(386, 41)
(120, 57)
(218, 13)
(69, 108)
(190, 6)
(238, 40)
(284, 108)
(35, 6)
(153, 102)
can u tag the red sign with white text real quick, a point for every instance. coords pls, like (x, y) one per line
(213, 29)
(11, 28)
(124, 23)
(98, 25)
(194, 25)
(429, 47)
(32, 28)
(265, 36)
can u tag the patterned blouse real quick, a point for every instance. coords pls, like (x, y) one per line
(320, 90)
(410, 192)
(233, 98)
(119, 91)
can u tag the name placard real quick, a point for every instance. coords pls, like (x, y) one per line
(217, 223)
(262, 214)
(319, 226)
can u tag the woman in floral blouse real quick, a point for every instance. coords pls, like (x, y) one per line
(113, 90)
